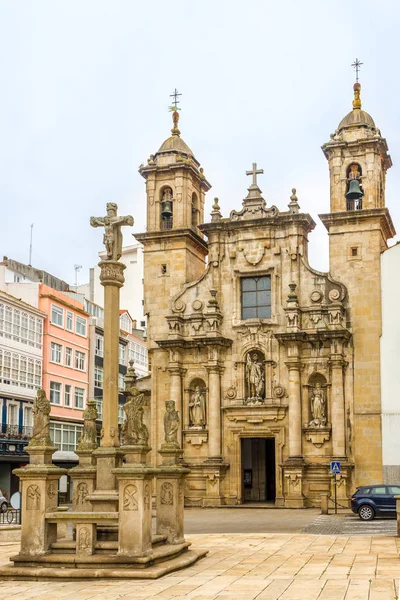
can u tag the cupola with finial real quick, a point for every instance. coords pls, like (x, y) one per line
(358, 159)
(175, 183)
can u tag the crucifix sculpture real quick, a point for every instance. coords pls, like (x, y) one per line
(112, 224)
(255, 172)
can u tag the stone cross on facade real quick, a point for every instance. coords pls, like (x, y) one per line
(255, 172)
(112, 224)
(357, 66)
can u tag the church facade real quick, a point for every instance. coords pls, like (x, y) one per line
(274, 367)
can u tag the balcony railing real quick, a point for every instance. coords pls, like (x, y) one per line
(15, 432)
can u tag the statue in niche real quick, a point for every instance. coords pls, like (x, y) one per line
(88, 439)
(171, 423)
(255, 379)
(197, 409)
(134, 431)
(41, 421)
(318, 407)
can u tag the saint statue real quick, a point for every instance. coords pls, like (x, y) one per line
(112, 224)
(171, 423)
(88, 439)
(318, 407)
(197, 409)
(41, 420)
(254, 377)
(134, 431)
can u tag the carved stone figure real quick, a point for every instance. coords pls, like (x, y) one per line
(254, 378)
(197, 409)
(51, 489)
(32, 497)
(88, 439)
(81, 493)
(318, 407)
(112, 224)
(41, 421)
(134, 431)
(84, 539)
(171, 423)
(130, 500)
(167, 494)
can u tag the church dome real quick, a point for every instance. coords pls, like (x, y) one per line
(175, 143)
(356, 117)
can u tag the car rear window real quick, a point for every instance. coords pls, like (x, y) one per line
(379, 490)
(363, 491)
(394, 489)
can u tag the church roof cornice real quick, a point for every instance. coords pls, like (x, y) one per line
(302, 219)
(351, 217)
(171, 234)
(199, 341)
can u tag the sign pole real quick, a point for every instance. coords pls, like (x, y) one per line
(335, 495)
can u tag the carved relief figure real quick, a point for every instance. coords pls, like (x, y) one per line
(255, 379)
(167, 494)
(81, 493)
(32, 497)
(318, 407)
(51, 490)
(171, 423)
(88, 439)
(84, 539)
(41, 420)
(147, 496)
(134, 430)
(112, 238)
(197, 409)
(130, 500)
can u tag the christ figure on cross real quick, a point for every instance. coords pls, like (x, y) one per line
(112, 224)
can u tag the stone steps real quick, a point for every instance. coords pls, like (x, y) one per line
(68, 546)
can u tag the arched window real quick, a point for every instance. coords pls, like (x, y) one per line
(354, 191)
(195, 210)
(166, 209)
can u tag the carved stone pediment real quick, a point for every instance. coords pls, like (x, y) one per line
(318, 436)
(255, 415)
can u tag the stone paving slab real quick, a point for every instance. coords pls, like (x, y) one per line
(248, 567)
(350, 525)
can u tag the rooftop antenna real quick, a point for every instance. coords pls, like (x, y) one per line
(30, 247)
(77, 269)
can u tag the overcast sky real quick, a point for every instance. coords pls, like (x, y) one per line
(85, 93)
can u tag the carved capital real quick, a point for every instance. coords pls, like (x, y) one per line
(112, 273)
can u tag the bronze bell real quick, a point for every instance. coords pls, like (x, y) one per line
(166, 209)
(355, 192)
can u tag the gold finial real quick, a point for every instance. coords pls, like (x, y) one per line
(174, 109)
(357, 99)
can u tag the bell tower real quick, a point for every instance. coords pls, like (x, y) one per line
(359, 226)
(174, 247)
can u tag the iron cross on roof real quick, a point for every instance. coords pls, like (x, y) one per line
(175, 96)
(357, 66)
(255, 172)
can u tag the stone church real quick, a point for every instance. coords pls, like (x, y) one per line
(274, 367)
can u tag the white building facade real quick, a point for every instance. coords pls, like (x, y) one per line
(390, 371)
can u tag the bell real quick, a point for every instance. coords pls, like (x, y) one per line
(166, 211)
(355, 192)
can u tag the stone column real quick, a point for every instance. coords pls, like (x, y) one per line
(294, 390)
(176, 372)
(39, 489)
(214, 411)
(337, 407)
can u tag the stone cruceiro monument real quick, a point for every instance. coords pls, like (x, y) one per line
(113, 484)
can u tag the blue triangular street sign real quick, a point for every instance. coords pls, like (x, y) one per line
(335, 467)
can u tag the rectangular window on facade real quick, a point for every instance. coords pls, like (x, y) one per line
(99, 349)
(121, 383)
(68, 357)
(57, 316)
(55, 392)
(98, 376)
(79, 398)
(28, 419)
(55, 352)
(65, 436)
(121, 414)
(99, 408)
(80, 360)
(121, 354)
(67, 395)
(12, 417)
(81, 326)
(70, 321)
(256, 297)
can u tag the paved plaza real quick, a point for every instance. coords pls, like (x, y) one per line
(247, 567)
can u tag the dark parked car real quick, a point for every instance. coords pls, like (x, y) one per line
(372, 501)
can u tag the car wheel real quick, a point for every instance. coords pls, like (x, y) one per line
(366, 512)
(3, 507)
